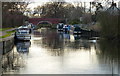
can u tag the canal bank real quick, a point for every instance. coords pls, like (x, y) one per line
(6, 45)
(1, 47)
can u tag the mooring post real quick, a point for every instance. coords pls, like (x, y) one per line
(0, 39)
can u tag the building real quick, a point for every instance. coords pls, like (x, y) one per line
(113, 10)
(119, 4)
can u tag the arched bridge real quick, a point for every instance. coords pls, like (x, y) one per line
(37, 21)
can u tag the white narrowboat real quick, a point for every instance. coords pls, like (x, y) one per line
(23, 33)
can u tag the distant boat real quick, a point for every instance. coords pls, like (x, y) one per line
(77, 30)
(23, 33)
(60, 27)
(67, 28)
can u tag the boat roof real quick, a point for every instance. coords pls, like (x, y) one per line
(23, 27)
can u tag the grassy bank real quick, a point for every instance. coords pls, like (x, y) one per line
(8, 33)
(3, 29)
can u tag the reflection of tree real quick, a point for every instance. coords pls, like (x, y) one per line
(109, 50)
(56, 42)
(57, 52)
(77, 44)
(53, 40)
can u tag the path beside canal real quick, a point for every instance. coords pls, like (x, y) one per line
(6, 33)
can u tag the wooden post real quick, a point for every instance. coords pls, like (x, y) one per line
(0, 14)
(1, 40)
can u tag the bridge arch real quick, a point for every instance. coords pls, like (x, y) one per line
(37, 21)
(44, 24)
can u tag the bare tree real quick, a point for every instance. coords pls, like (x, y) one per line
(13, 13)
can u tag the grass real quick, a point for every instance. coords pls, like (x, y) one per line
(8, 34)
(0, 29)
(3, 29)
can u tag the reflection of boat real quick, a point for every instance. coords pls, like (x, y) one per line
(60, 35)
(77, 30)
(23, 46)
(66, 36)
(66, 28)
(77, 37)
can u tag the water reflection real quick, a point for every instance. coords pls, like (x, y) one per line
(62, 40)
(77, 37)
(23, 46)
(66, 36)
(109, 51)
(54, 52)
(14, 61)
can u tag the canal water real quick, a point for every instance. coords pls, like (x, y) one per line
(52, 52)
